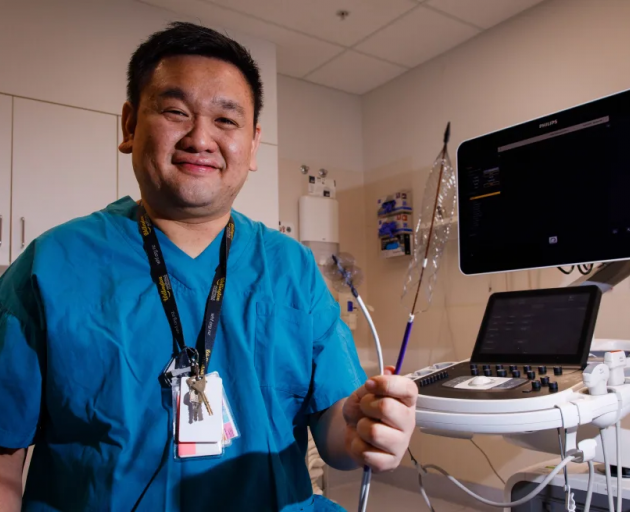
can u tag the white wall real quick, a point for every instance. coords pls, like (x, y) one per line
(316, 123)
(321, 127)
(556, 55)
(76, 52)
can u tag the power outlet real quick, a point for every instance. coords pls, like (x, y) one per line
(288, 228)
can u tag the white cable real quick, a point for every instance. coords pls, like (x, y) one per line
(609, 490)
(589, 489)
(523, 500)
(377, 343)
(619, 467)
(421, 485)
(367, 473)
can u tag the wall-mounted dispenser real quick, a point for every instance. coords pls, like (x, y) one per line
(319, 226)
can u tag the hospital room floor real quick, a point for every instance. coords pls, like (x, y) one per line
(390, 498)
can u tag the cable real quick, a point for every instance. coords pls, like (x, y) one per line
(585, 269)
(489, 461)
(377, 343)
(566, 473)
(367, 472)
(619, 466)
(566, 272)
(523, 500)
(609, 491)
(589, 492)
(419, 469)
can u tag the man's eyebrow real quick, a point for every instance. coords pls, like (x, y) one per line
(174, 93)
(229, 104)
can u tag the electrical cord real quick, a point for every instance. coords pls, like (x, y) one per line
(566, 272)
(589, 492)
(523, 500)
(567, 488)
(489, 461)
(423, 492)
(619, 467)
(585, 269)
(609, 490)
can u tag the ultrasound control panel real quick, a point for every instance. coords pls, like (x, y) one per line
(530, 344)
(483, 381)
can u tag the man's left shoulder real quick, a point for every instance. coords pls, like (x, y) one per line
(277, 246)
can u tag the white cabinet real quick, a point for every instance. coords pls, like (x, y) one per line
(64, 166)
(6, 103)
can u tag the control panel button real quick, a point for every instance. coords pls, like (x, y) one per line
(553, 387)
(544, 381)
(513, 368)
(487, 372)
(542, 370)
(527, 368)
(557, 370)
(473, 366)
(501, 373)
(486, 366)
(535, 385)
(499, 367)
(474, 372)
(516, 374)
(531, 375)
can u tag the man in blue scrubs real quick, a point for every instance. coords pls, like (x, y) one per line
(87, 325)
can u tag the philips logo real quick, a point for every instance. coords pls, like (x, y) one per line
(548, 123)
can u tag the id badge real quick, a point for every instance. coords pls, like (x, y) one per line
(190, 437)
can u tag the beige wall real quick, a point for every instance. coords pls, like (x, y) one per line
(321, 128)
(551, 57)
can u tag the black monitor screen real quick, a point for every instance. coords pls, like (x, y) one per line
(549, 192)
(539, 326)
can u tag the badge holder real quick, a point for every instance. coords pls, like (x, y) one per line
(202, 428)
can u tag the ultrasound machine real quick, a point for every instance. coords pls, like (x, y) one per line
(551, 192)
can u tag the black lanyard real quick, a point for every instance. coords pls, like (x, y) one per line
(160, 277)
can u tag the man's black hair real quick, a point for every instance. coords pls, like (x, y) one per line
(181, 38)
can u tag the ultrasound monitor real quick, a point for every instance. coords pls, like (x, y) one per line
(553, 326)
(549, 192)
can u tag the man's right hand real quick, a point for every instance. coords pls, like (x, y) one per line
(11, 466)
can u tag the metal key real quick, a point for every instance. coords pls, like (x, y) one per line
(200, 386)
(195, 400)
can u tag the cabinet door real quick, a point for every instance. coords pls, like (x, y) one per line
(127, 183)
(259, 197)
(64, 166)
(6, 106)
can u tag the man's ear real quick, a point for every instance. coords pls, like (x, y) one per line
(253, 161)
(128, 121)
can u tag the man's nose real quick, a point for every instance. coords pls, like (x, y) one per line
(201, 137)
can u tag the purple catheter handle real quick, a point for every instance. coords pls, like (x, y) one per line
(403, 347)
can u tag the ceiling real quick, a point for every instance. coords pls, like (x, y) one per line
(376, 42)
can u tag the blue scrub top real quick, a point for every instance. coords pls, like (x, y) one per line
(84, 339)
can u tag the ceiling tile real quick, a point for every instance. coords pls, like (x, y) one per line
(417, 37)
(355, 73)
(297, 54)
(483, 13)
(318, 18)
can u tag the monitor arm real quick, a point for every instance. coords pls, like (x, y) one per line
(606, 275)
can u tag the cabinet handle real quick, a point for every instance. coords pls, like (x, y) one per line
(0, 230)
(23, 230)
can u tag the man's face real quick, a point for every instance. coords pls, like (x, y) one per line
(192, 139)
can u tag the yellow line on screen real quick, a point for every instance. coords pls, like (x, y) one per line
(485, 195)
